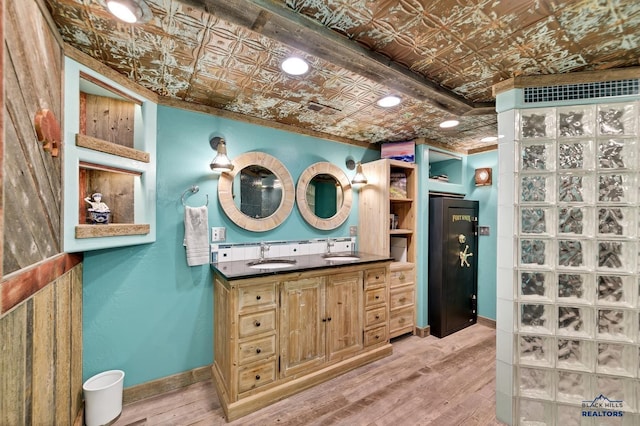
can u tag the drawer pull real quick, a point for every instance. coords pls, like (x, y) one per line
(377, 297)
(402, 299)
(257, 377)
(377, 337)
(256, 323)
(377, 316)
(258, 350)
(258, 297)
(401, 277)
(377, 277)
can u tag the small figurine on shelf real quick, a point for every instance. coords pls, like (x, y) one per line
(99, 212)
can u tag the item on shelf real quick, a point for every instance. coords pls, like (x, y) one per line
(393, 221)
(441, 178)
(399, 249)
(398, 185)
(99, 212)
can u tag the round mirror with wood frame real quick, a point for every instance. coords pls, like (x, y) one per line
(344, 194)
(226, 192)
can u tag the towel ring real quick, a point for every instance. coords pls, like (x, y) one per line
(193, 189)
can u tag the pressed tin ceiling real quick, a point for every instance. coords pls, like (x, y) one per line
(440, 56)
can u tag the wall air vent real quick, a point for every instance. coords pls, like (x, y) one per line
(568, 92)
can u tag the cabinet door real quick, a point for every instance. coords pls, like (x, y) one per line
(344, 314)
(302, 330)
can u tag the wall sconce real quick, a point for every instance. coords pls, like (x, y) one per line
(483, 176)
(220, 163)
(130, 11)
(359, 179)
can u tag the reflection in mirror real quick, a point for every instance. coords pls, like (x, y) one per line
(260, 191)
(324, 195)
(258, 194)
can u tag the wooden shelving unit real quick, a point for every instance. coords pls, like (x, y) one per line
(388, 209)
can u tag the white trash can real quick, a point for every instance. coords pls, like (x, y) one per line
(103, 397)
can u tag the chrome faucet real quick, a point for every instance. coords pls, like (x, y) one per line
(329, 245)
(264, 247)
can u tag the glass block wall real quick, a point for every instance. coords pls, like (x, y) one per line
(576, 284)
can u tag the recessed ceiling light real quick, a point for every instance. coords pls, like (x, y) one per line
(489, 139)
(389, 101)
(130, 11)
(295, 66)
(449, 123)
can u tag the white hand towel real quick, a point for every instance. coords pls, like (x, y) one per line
(196, 235)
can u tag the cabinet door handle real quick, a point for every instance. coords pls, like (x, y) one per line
(257, 377)
(258, 350)
(329, 319)
(324, 320)
(258, 297)
(256, 323)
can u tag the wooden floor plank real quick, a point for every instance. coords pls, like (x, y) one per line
(426, 381)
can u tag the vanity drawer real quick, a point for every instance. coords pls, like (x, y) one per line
(376, 335)
(257, 349)
(375, 316)
(402, 277)
(256, 295)
(259, 322)
(400, 319)
(375, 277)
(401, 296)
(256, 375)
(375, 296)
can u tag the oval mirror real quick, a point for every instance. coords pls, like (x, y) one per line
(258, 194)
(324, 196)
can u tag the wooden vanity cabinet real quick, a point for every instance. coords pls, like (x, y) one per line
(279, 334)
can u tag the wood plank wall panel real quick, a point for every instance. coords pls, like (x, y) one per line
(32, 177)
(2, 136)
(41, 289)
(108, 119)
(14, 393)
(41, 361)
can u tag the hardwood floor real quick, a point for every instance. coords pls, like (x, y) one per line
(427, 381)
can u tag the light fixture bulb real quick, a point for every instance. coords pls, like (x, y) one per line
(295, 66)
(449, 123)
(123, 10)
(489, 139)
(389, 101)
(359, 179)
(221, 163)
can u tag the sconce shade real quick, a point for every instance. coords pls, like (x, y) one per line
(221, 163)
(483, 176)
(359, 179)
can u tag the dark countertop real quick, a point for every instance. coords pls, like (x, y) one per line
(239, 269)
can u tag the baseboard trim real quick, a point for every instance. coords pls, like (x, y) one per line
(487, 322)
(423, 331)
(165, 384)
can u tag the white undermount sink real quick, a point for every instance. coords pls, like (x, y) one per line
(271, 263)
(340, 257)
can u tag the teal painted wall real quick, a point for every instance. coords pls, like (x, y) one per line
(144, 310)
(487, 216)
